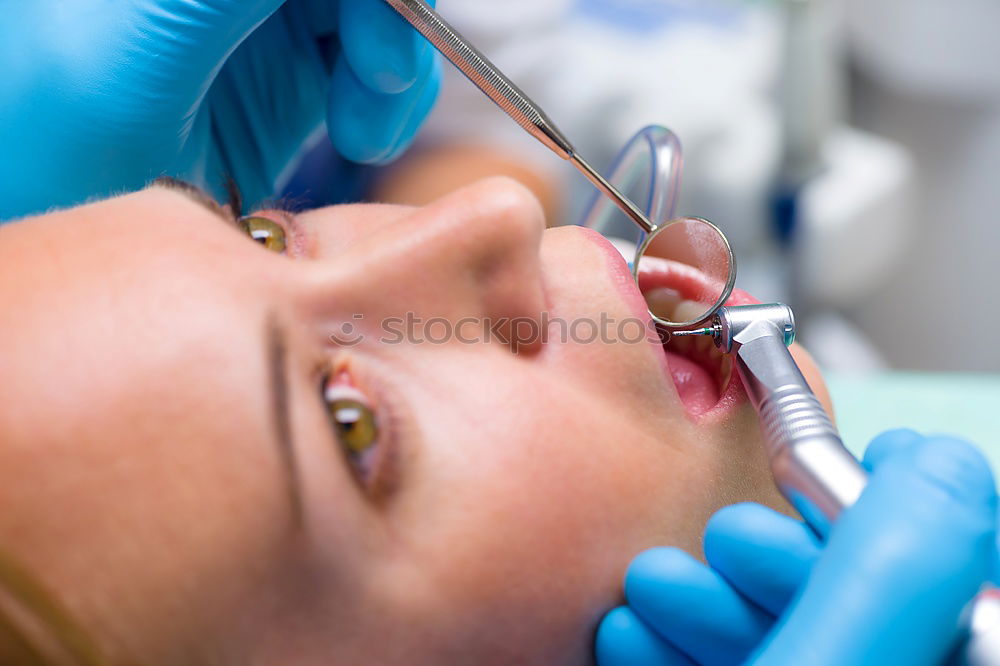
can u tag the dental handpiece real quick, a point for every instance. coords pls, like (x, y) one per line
(810, 464)
(485, 76)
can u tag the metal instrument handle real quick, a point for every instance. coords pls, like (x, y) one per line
(485, 76)
(810, 464)
(483, 73)
(820, 477)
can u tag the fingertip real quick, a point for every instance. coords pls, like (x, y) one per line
(691, 606)
(958, 468)
(386, 53)
(742, 519)
(731, 526)
(624, 640)
(887, 444)
(368, 127)
(764, 554)
(658, 565)
(744, 529)
(425, 100)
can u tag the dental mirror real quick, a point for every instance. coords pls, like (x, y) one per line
(686, 270)
(685, 267)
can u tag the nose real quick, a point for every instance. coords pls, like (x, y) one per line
(473, 253)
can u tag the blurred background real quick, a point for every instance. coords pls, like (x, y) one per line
(849, 148)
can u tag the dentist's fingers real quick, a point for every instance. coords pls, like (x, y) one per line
(765, 555)
(371, 127)
(425, 99)
(624, 640)
(387, 55)
(900, 565)
(693, 607)
(888, 444)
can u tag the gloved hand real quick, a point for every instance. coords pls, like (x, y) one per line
(103, 96)
(887, 588)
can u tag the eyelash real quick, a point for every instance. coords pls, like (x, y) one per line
(286, 208)
(235, 201)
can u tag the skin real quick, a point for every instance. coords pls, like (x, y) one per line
(138, 440)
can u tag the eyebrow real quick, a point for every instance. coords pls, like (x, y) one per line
(281, 415)
(275, 347)
(201, 197)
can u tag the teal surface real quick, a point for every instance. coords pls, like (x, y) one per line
(966, 405)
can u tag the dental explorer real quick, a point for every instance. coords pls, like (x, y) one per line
(485, 76)
(810, 465)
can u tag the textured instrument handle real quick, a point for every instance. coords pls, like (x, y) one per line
(810, 464)
(482, 73)
(820, 477)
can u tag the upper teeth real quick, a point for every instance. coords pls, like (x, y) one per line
(689, 311)
(666, 303)
(663, 302)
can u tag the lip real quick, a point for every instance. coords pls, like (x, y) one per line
(731, 395)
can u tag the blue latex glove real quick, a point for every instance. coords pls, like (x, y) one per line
(887, 588)
(102, 96)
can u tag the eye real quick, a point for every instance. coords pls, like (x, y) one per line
(267, 232)
(354, 423)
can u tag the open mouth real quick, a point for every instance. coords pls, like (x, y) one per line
(702, 375)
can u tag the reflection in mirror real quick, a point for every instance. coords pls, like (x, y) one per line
(686, 271)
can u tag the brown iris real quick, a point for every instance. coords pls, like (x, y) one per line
(355, 425)
(267, 232)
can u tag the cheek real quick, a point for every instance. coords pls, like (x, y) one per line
(151, 524)
(530, 492)
(540, 524)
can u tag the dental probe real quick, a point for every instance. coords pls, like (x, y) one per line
(485, 76)
(810, 464)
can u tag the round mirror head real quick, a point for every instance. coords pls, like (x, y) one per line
(686, 271)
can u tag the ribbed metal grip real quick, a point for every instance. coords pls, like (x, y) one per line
(809, 463)
(482, 73)
(808, 460)
(791, 414)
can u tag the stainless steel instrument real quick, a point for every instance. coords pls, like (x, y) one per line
(507, 96)
(809, 462)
